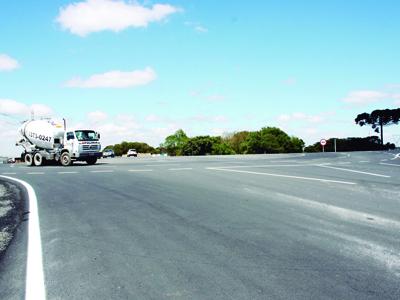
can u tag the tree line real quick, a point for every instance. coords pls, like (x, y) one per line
(122, 148)
(265, 140)
(371, 143)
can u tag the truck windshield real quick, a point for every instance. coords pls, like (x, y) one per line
(86, 135)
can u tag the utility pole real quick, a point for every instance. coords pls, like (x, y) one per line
(335, 143)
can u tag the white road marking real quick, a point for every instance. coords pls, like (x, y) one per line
(180, 169)
(285, 176)
(387, 164)
(341, 212)
(161, 165)
(143, 170)
(264, 166)
(7, 173)
(384, 159)
(71, 172)
(35, 173)
(102, 171)
(354, 171)
(396, 156)
(34, 286)
(364, 161)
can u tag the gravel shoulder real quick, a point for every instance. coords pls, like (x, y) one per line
(11, 213)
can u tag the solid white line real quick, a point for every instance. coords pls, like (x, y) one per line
(35, 173)
(102, 171)
(364, 161)
(384, 159)
(34, 286)
(9, 173)
(73, 172)
(387, 164)
(160, 165)
(144, 170)
(264, 166)
(179, 169)
(354, 171)
(284, 176)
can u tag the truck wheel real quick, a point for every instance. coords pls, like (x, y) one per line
(91, 161)
(29, 159)
(38, 159)
(66, 159)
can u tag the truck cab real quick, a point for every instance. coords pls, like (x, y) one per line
(81, 145)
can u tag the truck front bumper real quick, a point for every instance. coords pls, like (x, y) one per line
(86, 155)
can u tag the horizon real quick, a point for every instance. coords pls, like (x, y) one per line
(208, 68)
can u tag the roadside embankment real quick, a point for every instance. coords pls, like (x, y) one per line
(11, 213)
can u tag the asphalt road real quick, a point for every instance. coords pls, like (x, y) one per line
(322, 226)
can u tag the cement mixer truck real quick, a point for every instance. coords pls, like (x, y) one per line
(47, 140)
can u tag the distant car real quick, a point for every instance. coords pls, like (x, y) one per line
(108, 153)
(132, 152)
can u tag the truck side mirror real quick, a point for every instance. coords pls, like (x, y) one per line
(98, 135)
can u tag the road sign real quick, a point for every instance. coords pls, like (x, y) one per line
(323, 143)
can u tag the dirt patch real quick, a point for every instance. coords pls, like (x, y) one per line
(11, 213)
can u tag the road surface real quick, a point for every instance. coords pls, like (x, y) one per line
(320, 226)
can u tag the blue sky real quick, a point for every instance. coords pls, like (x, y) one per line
(144, 69)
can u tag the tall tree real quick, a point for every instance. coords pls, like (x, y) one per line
(175, 142)
(379, 118)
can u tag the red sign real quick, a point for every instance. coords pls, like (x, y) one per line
(323, 142)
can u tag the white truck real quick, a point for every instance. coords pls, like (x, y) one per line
(47, 140)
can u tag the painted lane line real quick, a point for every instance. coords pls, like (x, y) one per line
(8, 173)
(387, 164)
(72, 172)
(102, 171)
(285, 176)
(143, 170)
(35, 173)
(384, 159)
(354, 171)
(161, 165)
(34, 286)
(179, 169)
(263, 166)
(364, 161)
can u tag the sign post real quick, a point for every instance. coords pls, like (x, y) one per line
(323, 143)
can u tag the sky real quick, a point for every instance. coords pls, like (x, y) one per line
(140, 70)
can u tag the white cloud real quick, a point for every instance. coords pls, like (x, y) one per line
(83, 18)
(115, 79)
(8, 63)
(200, 29)
(97, 116)
(299, 116)
(157, 118)
(41, 110)
(10, 107)
(215, 98)
(205, 118)
(289, 81)
(365, 97)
